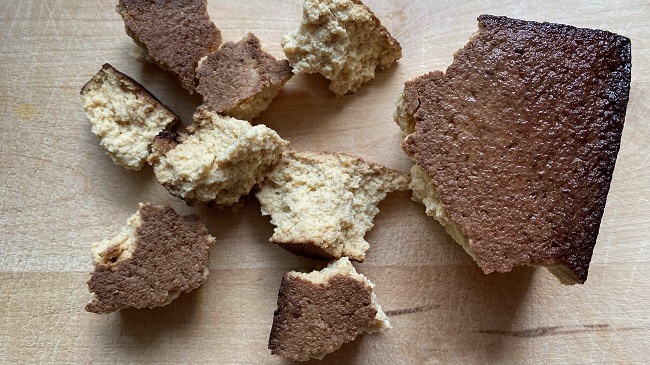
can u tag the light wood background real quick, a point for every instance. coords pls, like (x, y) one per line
(59, 192)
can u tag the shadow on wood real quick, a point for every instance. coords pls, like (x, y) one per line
(143, 330)
(306, 103)
(497, 300)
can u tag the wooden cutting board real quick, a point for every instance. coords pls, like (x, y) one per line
(59, 192)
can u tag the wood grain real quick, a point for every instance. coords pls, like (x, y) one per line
(59, 192)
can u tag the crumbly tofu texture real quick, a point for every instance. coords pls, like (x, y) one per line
(241, 79)
(343, 41)
(404, 118)
(322, 204)
(344, 267)
(121, 246)
(124, 116)
(424, 192)
(219, 161)
(250, 108)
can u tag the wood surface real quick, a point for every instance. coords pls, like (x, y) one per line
(59, 192)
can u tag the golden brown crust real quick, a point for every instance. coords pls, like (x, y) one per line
(175, 34)
(170, 257)
(314, 319)
(238, 71)
(520, 137)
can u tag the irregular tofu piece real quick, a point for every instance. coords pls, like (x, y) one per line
(124, 115)
(241, 79)
(322, 204)
(342, 40)
(158, 255)
(174, 35)
(515, 144)
(320, 311)
(219, 160)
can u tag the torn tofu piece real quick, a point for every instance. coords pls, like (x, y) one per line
(219, 160)
(241, 79)
(515, 144)
(157, 255)
(124, 115)
(322, 204)
(320, 311)
(174, 35)
(342, 40)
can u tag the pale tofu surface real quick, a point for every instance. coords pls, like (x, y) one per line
(326, 199)
(122, 244)
(343, 41)
(220, 160)
(124, 118)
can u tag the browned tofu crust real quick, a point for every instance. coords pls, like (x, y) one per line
(175, 34)
(520, 137)
(314, 318)
(238, 71)
(170, 257)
